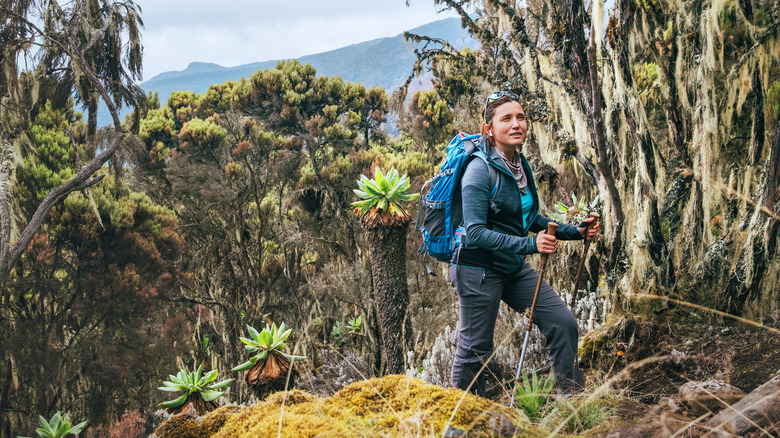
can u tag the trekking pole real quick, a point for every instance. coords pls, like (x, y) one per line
(595, 217)
(551, 227)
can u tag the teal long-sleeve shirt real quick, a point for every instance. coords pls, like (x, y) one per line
(496, 235)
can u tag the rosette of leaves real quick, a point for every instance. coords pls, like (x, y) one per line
(197, 390)
(267, 370)
(532, 396)
(382, 196)
(58, 427)
(354, 328)
(579, 210)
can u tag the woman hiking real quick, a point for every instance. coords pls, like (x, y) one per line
(490, 267)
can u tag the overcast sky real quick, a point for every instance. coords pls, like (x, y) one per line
(235, 32)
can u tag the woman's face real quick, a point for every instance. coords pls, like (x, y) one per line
(509, 126)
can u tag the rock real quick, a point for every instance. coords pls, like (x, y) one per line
(654, 425)
(671, 404)
(497, 425)
(759, 409)
(710, 396)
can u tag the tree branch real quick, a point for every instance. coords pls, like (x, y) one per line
(79, 181)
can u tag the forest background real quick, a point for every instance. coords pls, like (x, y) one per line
(130, 251)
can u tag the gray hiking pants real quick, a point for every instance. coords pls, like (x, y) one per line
(480, 293)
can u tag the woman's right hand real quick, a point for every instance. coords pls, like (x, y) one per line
(545, 243)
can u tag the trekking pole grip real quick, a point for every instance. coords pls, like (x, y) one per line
(573, 299)
(552, 227)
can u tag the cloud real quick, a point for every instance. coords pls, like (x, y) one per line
(235, 32)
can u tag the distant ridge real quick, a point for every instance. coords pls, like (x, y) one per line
(383, 62)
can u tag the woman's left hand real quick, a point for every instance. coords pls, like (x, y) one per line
(594, 229)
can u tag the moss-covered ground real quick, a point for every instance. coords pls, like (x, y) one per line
(392, 406)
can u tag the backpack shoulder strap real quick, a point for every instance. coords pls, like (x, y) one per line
(494, 181)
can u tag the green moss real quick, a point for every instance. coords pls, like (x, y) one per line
(649, 5)
(716, 232)
(592, 348)
(619, 342)
(216, 419)
(666, 229)
(185, 426)
(773, 102)
(180, 426)
(392, 406)
(645, 77)
(668, 32)
(761, 18)
(733, 30)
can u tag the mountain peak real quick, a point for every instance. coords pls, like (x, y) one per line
(202, 67)
(383, 62)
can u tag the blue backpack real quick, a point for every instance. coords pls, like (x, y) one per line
(442, 225)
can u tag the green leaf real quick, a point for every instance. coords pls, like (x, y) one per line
(209, 395)
(382, 204)
(222, 384)
(379, 177)
(169, 388)
(411, 197)
(208, 378)
(175, 403)
(63, 429)
(249, 342)
(243, 367)
(395, 210)
(43, 433)
(392, 193)
(361, 194)
(284, 335)
(392, 176)
(261, 357)
(252, 332)
(293, 358)
(55, 422)
(265, 339)
(45, 426)
(384, 186)
(371, 187)
(75, 430)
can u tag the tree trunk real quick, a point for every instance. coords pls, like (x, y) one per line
(387, 252)
(745, 280)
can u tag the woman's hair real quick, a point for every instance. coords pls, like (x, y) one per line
(490, 111)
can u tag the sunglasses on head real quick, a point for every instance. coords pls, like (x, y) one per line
(494, 96)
